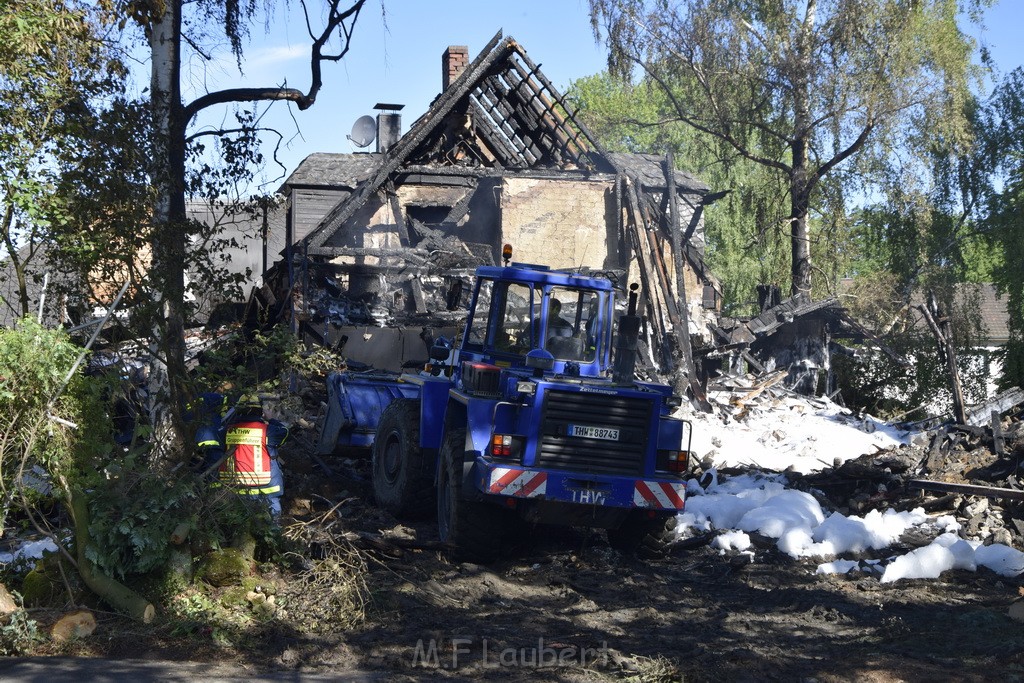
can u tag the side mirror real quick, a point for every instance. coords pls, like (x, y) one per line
(441, 349)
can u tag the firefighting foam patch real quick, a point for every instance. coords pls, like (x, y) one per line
(508, 481)
(662, 495)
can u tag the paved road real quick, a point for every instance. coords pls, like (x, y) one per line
(79, 669)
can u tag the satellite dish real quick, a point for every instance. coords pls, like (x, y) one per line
(364, 130)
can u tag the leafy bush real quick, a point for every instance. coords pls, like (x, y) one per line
(249, 365)
(63, 429)
(19, 634)
(132, 519)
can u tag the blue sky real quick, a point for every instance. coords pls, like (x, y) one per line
(401, 63)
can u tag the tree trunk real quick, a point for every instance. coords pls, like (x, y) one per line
(167, 347)
(799, 180)
(12, 254)
(799, 236)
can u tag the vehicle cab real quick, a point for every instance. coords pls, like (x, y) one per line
(520, 308)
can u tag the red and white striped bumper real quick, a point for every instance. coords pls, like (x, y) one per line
(508, 481)
(568, 487)
(659, 495)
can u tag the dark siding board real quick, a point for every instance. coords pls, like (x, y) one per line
(311, 206)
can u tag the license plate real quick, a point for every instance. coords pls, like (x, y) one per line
(594, 432)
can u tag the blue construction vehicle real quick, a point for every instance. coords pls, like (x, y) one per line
(528, 419)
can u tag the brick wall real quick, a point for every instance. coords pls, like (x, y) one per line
(555, 223)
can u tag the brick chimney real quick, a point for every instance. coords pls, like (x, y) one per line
(453, 62)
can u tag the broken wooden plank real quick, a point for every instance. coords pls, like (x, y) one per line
(396, 214)
(417, 295)
(763, 385)
(967, 489)
(997, 434)
(645, 268)
(683, 325)
(1001, 403)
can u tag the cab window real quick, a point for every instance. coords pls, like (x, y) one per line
(572, 323)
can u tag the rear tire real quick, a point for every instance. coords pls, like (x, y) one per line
(476, 531)
(403, 482)
(647, 538)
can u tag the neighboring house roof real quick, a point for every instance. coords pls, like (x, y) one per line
(37, 268)
(326, 169)
(969, 298)
(500, 116)
(991, 307)
(243, 235)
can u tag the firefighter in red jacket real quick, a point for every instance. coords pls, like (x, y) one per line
(251, 441)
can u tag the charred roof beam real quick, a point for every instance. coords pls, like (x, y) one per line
(592, 141)
(567, 139)
(345, 209)
(498, 93)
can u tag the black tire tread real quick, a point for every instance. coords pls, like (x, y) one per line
(648, 539)
(414, 496)
(480, 531)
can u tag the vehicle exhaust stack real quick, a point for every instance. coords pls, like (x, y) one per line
(625, 346)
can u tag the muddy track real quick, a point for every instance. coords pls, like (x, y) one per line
(713, 618)
(698, 614)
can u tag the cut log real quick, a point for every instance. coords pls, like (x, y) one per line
(7, 603)
(78, 624)
(180, 533)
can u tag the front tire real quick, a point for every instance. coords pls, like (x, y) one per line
(476, 531)
(402, 479)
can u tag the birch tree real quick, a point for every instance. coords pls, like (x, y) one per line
(167, 34)
(800, 87)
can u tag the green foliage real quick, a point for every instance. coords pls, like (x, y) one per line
(1003, 127)
(132, 518)
(64, 433)
(55, 72)
(133, 515)
(802, 91)
(249, 365)
(876, 383)
(744, 230)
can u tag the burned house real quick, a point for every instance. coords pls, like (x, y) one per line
(379, 244)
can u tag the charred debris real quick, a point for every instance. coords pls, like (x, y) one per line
(380, 247)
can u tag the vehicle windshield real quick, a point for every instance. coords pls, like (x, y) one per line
(513, 318)
(572, 323)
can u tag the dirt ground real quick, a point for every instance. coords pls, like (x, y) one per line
(569, 608)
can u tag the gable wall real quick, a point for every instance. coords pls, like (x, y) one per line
(309, 206)
(557, 223)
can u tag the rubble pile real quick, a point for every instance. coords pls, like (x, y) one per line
(969, 471)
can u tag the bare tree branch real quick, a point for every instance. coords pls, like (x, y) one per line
(336, 21)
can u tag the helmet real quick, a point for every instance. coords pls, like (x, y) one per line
(248, 404)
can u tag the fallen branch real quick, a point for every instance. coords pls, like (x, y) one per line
(114, 593)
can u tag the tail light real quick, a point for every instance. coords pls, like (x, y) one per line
(676, 462)
(505, 447)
